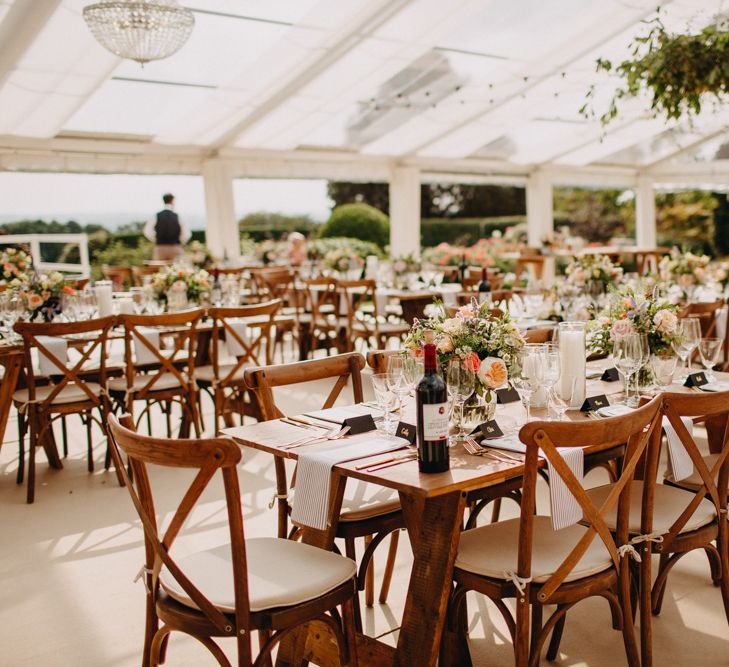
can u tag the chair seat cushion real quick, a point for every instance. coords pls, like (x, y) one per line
(167, 381)
(669, 503)
(363, 500)
(71, 393)
(281, 573)
(491, 550)
(206, 374)
(694, 481)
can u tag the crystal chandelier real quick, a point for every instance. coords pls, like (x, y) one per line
(140, 30)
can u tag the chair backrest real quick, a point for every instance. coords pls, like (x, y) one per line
(323, 296)
(88, 337)
(120, 276)
(714, 481)
(539, 335)
(414, 305)
(182, 327)
(706, 314)
(639, 429)
(345, 367)
(207, 457)
(225, 326)
(354, 293)
(139, 272)
(377, 359)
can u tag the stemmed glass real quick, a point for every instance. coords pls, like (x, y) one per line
(461, 382)
(663, 367)
(397, 380)
(529, 376)
(414, 369)
(710, 349)
(628, 357)
(140, 297)
(689, 337)
(384, 398)
(551, 373)
(11, 310)
(563, 402)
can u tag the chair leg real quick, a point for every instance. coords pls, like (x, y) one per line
(624, 583)
(646, 611)
(723, 544)
(496, 510)
(64, 435)
(351, 552)
(349, 623)
(369, 576)
(32, 445)
(149, 418)
(150, 630)
(89, 444)
(22, 428)
(556, 639)
(389, 566)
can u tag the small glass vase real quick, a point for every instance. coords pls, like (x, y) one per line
(476, 410)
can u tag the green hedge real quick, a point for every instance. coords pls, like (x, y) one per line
(463, 231)
(357, 221)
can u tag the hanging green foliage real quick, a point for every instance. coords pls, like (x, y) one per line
(678, 71)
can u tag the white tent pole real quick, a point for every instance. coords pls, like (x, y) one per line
(221, 226)
(540, 208)
(645, 214)
(404, 211)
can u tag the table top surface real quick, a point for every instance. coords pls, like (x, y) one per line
(466, 473)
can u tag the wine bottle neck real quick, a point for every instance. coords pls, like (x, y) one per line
(430, 359)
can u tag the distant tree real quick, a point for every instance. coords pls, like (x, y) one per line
(596, 215)
(721, 223)
(686, 219)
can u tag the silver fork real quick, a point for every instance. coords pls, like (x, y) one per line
(319, 438)
(476, 449)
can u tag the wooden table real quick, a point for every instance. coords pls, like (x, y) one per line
(433, 508)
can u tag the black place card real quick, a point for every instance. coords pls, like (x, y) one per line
(491, 429)
(507, 395)
(407, 431)
(696, 380)
(595, 403)
(610, 375)
(359, 424)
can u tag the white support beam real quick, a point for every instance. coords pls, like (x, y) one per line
(221, 225)
(405, 211)
(540, 208)
(645, 214)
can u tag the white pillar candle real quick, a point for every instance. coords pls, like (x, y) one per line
(572, 363)
(372, 266)
(103, 293)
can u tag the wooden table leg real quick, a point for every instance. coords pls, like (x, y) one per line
(304, 340)
(13, 363)
(434, 528)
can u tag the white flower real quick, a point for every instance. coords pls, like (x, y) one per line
(665, 321)
(453, 326)
(445, 344)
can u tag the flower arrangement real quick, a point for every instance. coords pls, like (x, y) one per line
(341, 260)
(685, 268)
(405, 264)
(633, 312)
(195, 282)
(487, 343)
(480, 254)
(720, 273)
(16, 267)
(41, 293)
(593, 268)
(198, 255)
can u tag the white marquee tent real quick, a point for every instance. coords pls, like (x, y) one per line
(404, 91)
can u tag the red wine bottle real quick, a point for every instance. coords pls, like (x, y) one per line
(432, 406)
(484, 287)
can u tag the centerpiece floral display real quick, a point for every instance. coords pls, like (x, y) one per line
(403, 268)
(488, 344)
(686, 268)
(16, 267)
(193, 283)
(593, 269)
(344, 262)
(42, 294)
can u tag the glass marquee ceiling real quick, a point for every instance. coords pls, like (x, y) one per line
(463, 79)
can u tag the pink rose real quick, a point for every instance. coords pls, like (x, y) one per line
(621, 328)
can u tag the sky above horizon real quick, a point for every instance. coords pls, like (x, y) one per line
(111, 199)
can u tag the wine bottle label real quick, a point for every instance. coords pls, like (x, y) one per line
(435, 421)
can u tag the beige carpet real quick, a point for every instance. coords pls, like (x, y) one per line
(68, 561)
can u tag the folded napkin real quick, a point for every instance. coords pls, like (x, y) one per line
(235, 349)
(58, 347)
(143, 354)
(715, 386)
(565, 510)
(314, 474)
(679, 461)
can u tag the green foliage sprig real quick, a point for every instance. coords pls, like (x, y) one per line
(678, 70)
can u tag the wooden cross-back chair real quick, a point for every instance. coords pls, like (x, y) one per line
(367, 511)
(280, 283)
(367, 326)
(139, 273)
(706, 314)
(684, 515)
(224, 382)
(526, 559)
(414, 305)
(168, 376)
(327, 323)
(120, 276)
(223, 591)
(69, 390)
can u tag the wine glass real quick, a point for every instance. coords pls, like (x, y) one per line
(414, 369)
(628, 358)
(397, 380)
(562, 402)
(140, 296)
(689, 337)
(551, 372)
(384, 398)
(529, 375)
(461, 382)
(710, 349)
(11, 310)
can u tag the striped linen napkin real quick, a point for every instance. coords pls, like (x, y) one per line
(314, 474)
(564, 508)
(679, 462)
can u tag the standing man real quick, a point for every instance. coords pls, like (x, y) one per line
(168, 232)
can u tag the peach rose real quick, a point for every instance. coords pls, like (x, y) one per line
(472, 362)
(492, 373)
(445, 344)
(35, 301)
(621, 328)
